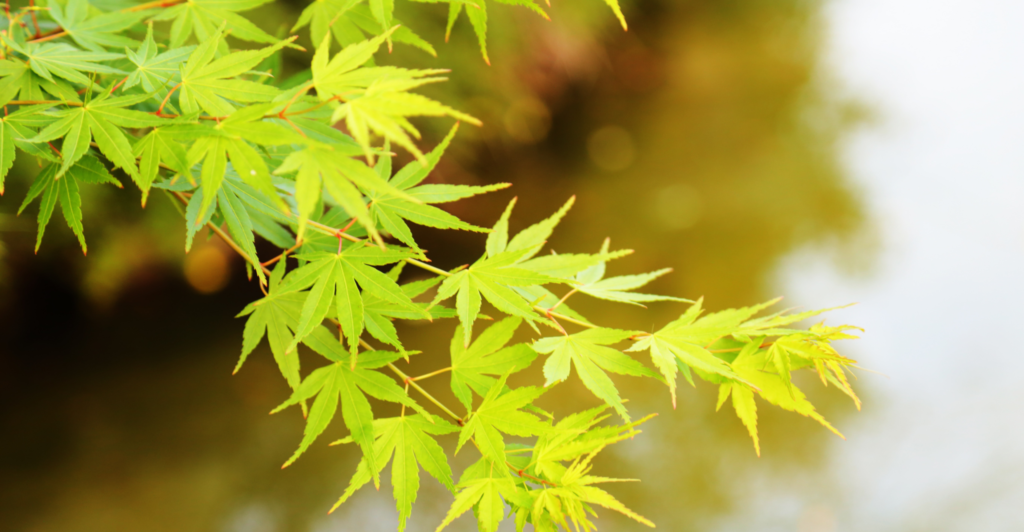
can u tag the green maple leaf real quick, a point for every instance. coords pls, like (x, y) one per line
(207, 84)
(390, 211)
(588, 352)
(477, 14)
(88, 170)
(376, 99)
(155, 71)
(18, 80)
(572, 500)
(266, 215)
(575, 436)
(478, 18)
(493, 278)
(334, 279)
(319, 166)
(378, 312)
(350, 22)
(203, 18)
(749, 365)
(22, 125)
(619, 289)
(486, 356)
(500, 413)
(101, 120)
(229, 140)
(409, 439)
(499, 277)
(483, 487)
(7, 136)
(235, 215)
(193, 222)
(340, 381)
(59, 60)
(14, 130)
(530, 240)
(94, 32)
(159, 146)
(683, 343)
(275, 316)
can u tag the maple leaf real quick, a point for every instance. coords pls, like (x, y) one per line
(571, 500)
(376, 99)
(94, 32)
(409, 439)
(207, 84)
(14, 130)
(342, 382)
(491, 277)
(229, 140)
(274, 316)
(203, 18)
(88, 170)
(488, 355)
(334, 279)
(63, 60)
(683, 343)
(482, 487)
(619, 289)
(588, 352)
(99, 119)
(319, 166)
(501, 413)
(378, 312)
(477, 13)
(749, 365)
(478, 18)
(574, 436)
(350, 22)
(390, 211)
(18, 79)
(159, 146)
(235, 215)
(154, 71)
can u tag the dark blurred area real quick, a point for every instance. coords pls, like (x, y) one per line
(705, 138)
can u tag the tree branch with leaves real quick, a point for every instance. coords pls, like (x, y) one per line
(92, 95)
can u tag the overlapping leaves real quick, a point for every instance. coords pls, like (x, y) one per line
(347, 384)
(250, 155)
(376, 99)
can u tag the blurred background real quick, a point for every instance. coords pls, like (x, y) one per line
(831, 152)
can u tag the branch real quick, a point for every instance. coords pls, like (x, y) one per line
(523, 474)
(227, 239)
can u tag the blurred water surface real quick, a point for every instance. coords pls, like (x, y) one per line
(850, 151)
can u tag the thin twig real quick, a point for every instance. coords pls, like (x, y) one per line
(524, 474)
(50, 37)
(153, 5)
(159, 111)
(226, 238)
(283, 253)
(429, 375)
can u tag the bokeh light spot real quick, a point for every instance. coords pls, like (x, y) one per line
(611, 148)
(206, 268)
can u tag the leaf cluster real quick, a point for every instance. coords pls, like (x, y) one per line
(159, 93)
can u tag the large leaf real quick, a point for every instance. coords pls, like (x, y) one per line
(475, 367)
(587, 351)
(409, 439)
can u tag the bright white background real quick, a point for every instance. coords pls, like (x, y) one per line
(940, 445)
